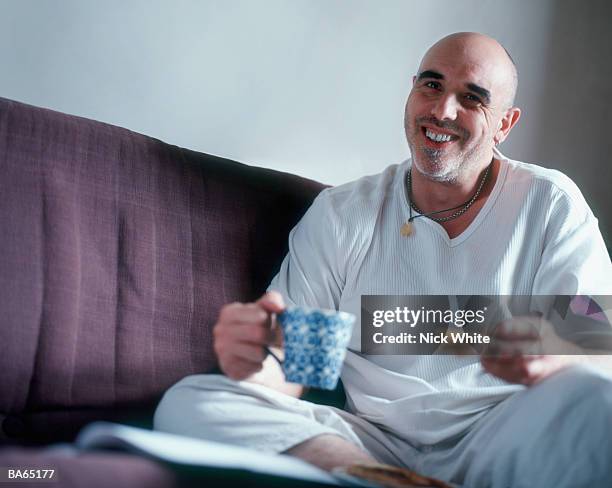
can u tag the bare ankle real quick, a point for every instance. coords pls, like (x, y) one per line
(329, 451)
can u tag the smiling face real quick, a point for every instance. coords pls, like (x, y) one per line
(460, 106)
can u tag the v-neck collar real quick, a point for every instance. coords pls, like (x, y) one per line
(482, 213)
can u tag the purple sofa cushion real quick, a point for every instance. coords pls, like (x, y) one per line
(116, 252)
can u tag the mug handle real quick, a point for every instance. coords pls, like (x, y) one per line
(269, 351)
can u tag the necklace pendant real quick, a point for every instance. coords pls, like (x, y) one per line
(406, 229)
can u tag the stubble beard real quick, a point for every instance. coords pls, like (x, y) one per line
(434, 164)
(437, 166)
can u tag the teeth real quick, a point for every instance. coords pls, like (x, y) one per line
(437, 137)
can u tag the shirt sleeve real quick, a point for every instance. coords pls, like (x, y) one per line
(574, 260)
(312, 272)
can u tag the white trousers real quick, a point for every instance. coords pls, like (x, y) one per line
(555, 434)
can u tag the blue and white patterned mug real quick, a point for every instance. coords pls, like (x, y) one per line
(315, 343)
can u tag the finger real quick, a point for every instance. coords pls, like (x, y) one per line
(521, 328)
(494, 350)
(516, 369)
(513, 359)
(244, 323)
(247, 313)
(543, 367)
(242, 313)
(535, 368)
(508, 370)
(255, 333)
(229, 311)
(272, 302)
(239, 369)
(521, 347)
(249, 352)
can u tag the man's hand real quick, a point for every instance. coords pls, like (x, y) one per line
(242, 332)
(516, 351)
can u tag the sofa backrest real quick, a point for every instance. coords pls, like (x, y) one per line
(116, 252)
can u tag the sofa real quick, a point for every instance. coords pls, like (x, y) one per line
(117, 251)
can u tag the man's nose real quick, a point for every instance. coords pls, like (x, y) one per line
(445, 108)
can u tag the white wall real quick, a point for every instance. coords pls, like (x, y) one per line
(314, 87)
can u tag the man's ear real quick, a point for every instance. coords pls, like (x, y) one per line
(509, 120)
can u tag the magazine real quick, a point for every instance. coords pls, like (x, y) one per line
(192, 452)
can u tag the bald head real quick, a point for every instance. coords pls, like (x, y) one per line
(460, 107)
(481, 53)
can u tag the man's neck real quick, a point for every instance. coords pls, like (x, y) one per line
(431, 196)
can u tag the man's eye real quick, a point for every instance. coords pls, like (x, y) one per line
(472, 98)
(432, 84)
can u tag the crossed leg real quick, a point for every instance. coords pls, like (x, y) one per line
(215, 408)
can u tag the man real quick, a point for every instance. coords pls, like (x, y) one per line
(458, 218)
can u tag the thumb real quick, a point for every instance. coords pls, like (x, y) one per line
(272, 302)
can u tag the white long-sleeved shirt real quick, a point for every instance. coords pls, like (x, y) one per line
(535, 235)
